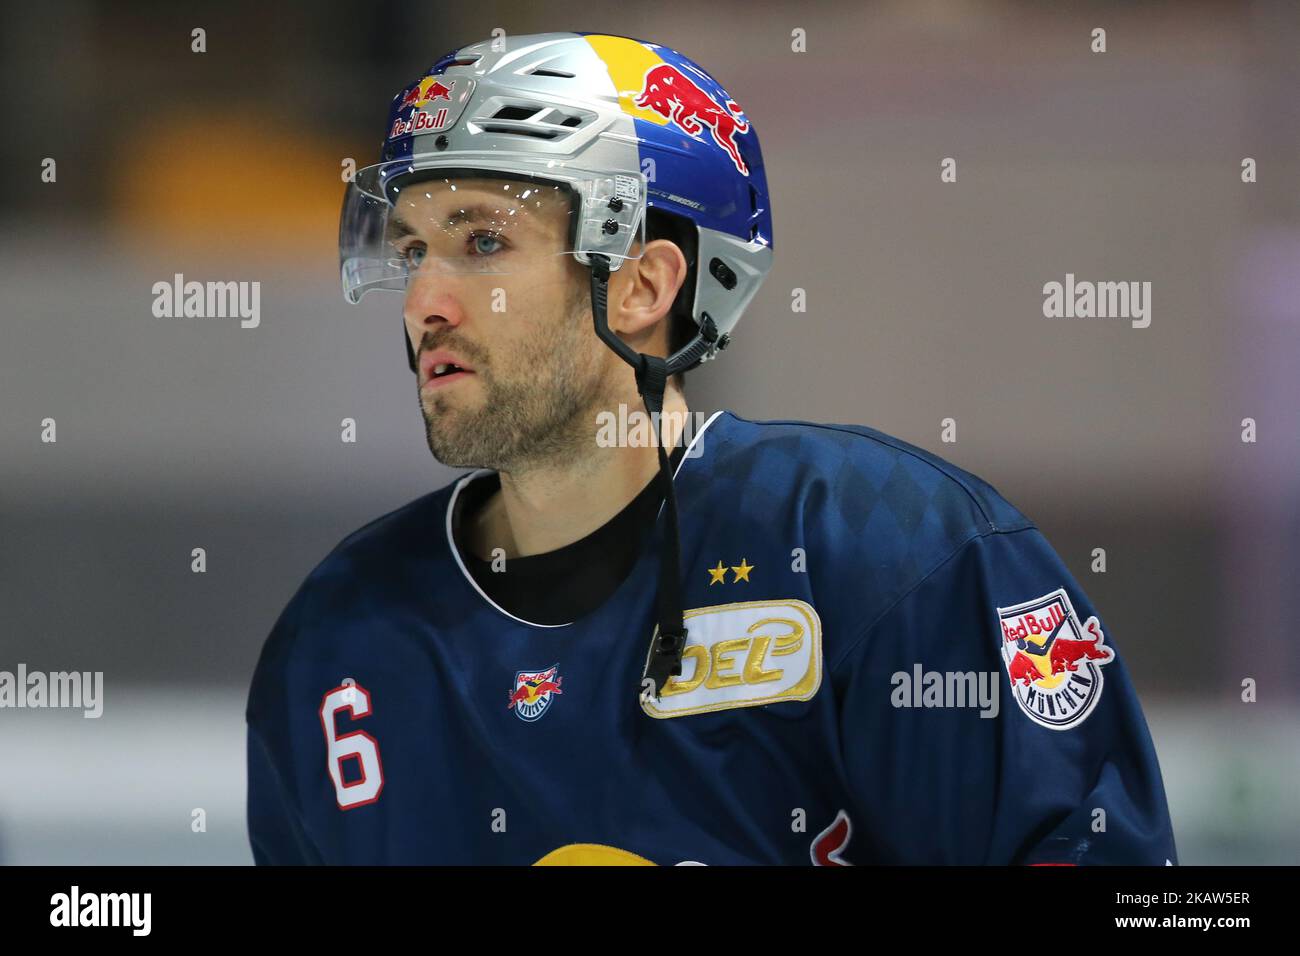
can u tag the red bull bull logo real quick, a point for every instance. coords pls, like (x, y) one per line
(532, 692)
(1054, 663)
(435, 105)
(676, 97)
(429, 89)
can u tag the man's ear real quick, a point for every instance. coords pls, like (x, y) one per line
(642, 291)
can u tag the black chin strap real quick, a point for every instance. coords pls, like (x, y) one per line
(669, 640)
(652, 375)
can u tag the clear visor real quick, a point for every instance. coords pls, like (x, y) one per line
(400, 222)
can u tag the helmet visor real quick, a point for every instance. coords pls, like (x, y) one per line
(399, 222)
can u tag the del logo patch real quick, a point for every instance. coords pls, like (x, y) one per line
(532, 692)
(744, 655)
(1054, 663)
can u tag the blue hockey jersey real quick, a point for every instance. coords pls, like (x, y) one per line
(886, 663)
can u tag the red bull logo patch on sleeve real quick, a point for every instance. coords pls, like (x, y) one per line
(1054, 663)
(532, 692)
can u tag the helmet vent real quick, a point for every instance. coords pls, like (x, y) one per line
(531, 119)
(535, 132)
(516, 112)
(544, 71)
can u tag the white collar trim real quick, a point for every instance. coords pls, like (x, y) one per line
(479, 473)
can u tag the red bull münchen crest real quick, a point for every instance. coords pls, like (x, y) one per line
(533, 691)
(1054, 663)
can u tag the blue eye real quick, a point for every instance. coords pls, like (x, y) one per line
(480, 237)
(412, 254)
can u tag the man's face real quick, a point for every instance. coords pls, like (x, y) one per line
(490, 293)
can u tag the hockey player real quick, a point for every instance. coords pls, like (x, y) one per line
(738, 642)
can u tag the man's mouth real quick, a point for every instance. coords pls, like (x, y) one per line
(445, 375)
(439, 369)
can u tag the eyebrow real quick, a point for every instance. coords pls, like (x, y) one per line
(474, 213)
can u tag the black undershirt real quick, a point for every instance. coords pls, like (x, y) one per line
(561, 586)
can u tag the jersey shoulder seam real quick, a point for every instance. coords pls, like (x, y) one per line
(938, 464)
(300, 602)
(861, 636)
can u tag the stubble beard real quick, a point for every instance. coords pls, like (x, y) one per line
(543, 416)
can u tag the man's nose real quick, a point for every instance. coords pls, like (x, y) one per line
(431, 302)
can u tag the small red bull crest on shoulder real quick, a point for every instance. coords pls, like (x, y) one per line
(532, 692)
(1054, 663)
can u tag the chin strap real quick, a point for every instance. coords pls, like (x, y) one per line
(652, 375)
(669, 640)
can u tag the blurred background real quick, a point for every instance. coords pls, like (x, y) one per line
(924, 303)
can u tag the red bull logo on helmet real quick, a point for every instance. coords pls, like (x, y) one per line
(532, 692)
(1053, 662)
(676, 97)
(429, 89)
(434, 104)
